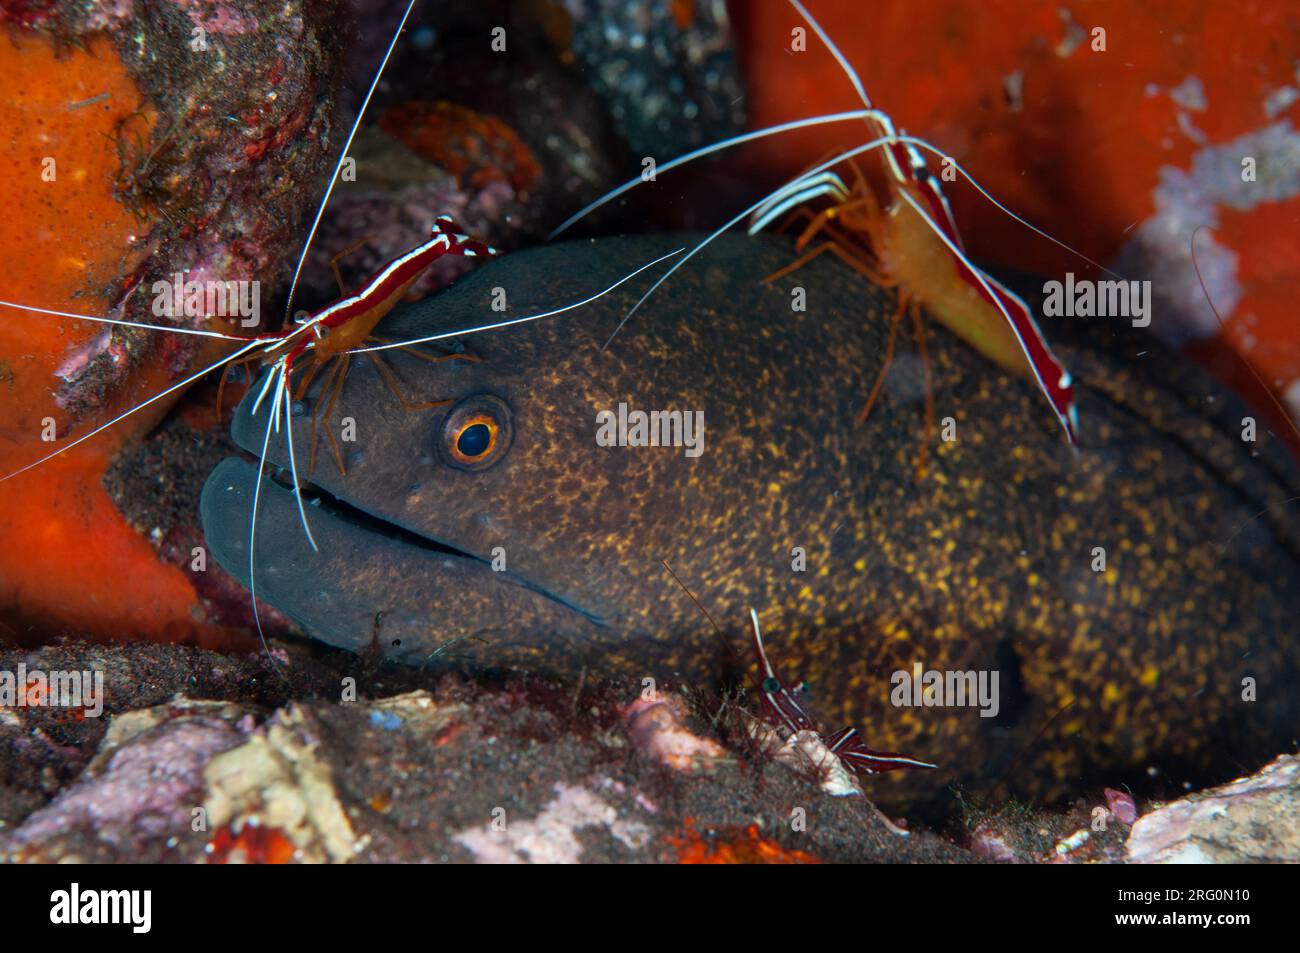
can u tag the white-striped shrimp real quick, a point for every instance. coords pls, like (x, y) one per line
(338, 330)
(909, 237)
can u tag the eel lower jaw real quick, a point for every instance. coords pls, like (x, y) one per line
(427, 592)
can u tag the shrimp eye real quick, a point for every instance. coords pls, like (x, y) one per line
(771, 686)
(477, 432)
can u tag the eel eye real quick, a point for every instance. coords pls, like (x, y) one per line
(476, 438)
(477, 432)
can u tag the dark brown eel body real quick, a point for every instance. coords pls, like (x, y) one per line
(985, 564)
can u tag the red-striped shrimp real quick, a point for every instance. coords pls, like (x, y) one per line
(782, 708)
(915, 238)
(338, 330)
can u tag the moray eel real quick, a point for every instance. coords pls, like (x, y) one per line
(992, 562)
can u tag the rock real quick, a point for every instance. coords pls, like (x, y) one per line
(1251, 820)
(185, 138)
(420, 767)
(988, 843)
(669, 77)
(138, 793)
(657, 726)
(276, 779)
(1122, 806)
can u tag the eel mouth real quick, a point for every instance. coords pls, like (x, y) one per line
(316, 498)
(319, 500)
(365, 567)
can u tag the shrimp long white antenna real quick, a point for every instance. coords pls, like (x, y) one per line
(793, 183)
(271, 381)
(869, 114)
(885, 122)
(849, 71)
(805, 190)
(1025, 222)
(140, 406)
(738, 140)
(888, 126)
(329, 189)
(1196, 266)
(278, 374)
(513, 321)
(293, 465)
(829, 163)
(758, 640)
(812, 121)
(122, 322)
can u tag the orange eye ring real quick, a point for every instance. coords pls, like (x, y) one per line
(476, 433)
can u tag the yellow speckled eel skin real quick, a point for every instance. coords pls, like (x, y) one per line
(989, 563)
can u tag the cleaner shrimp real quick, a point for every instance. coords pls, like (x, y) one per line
(781, 708)
(908, 240)
(330, 335)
